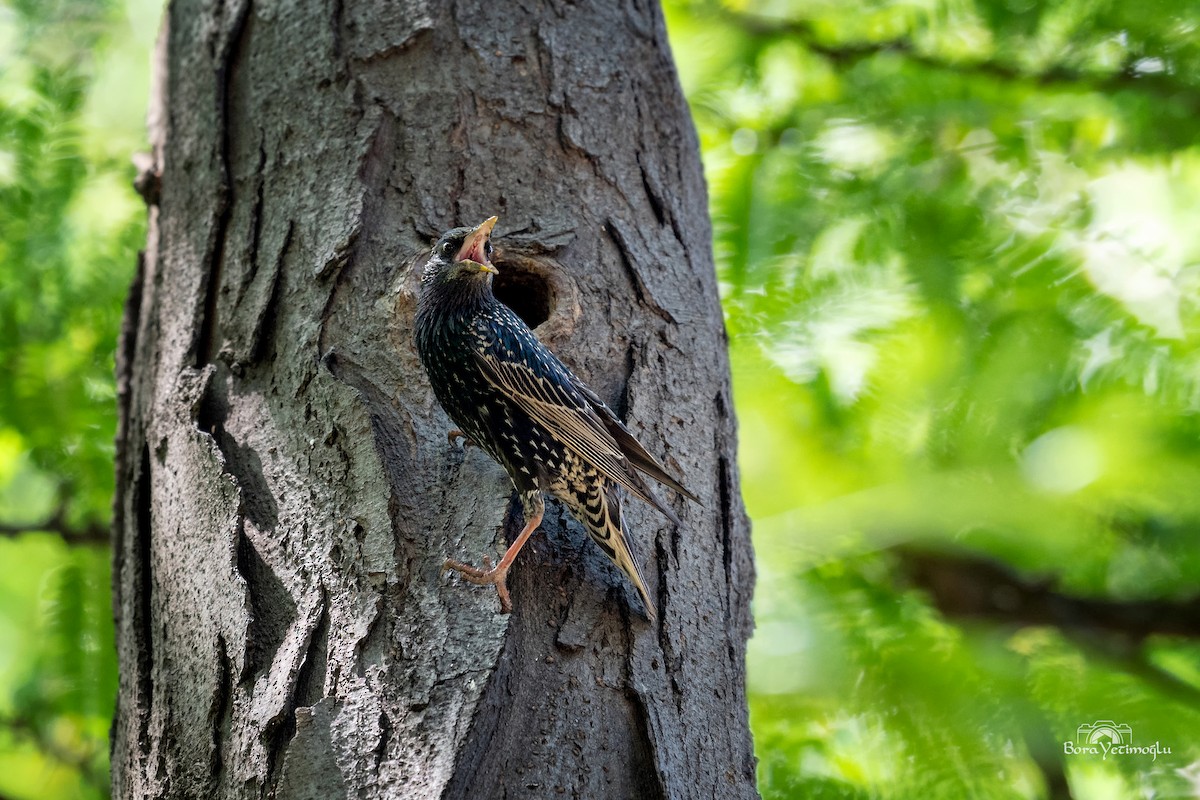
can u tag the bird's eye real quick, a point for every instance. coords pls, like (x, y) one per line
(487, 249)
(447, 248)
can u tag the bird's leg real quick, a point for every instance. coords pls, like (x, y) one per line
(498, 574)
(467, 440)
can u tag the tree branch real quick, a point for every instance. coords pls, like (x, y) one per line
(963, 586)
(847, 54)
(92, 533)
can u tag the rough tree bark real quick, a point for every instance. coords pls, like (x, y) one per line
(287, 493)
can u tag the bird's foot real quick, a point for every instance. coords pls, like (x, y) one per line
(496, 576)
(457, 434)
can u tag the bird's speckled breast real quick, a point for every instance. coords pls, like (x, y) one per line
(449, 347)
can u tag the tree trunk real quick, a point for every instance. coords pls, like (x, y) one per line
(286, 490)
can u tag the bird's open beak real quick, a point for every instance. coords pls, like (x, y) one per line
(473, 249)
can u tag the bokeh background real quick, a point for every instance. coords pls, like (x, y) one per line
(959, 248)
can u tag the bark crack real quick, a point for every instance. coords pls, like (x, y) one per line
(492, 713)
(672, 660)
(621, 406)
(726, 500)
(385, 738)
(256, 215)
(301, 689)
(655, 204)
(310, 679)
(218, 714)
(646, 764)
(264, 329)
(272, 609)
(240, 462)
(144, 590)
(658, 203)
(227, 62)
(337, 15)
(126, 356)
(645, 299)
(277, 733)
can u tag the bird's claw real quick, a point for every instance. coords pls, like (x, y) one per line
(496, 576)
(456, 434)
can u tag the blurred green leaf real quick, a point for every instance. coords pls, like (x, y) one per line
(957, 248)
(73, 78)
(961, 275)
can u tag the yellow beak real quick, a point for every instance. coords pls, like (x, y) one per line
(473, 247)
(485, 227)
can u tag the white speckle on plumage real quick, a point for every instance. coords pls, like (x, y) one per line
(525, 408)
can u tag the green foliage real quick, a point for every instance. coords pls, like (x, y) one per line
(960, 265)
(58, 669)
(70, 226)
(960, 269)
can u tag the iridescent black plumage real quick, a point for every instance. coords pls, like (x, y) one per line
(526, 409)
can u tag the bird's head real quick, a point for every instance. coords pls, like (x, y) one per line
(462, 254)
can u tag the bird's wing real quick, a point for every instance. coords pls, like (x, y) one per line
(551, 401)
(631, 448)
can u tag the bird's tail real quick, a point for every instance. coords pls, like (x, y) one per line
(605, 523)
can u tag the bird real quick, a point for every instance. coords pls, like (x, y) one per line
(514, 399)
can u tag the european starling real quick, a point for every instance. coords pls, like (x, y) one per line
(514, 399)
